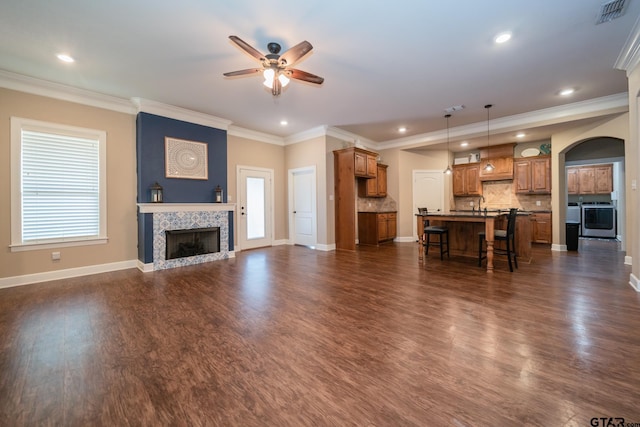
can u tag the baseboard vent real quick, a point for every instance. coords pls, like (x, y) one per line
(611, 10)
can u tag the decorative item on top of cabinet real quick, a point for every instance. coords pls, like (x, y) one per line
(376, 227)
(466, 181)
(374, 187)
(540, 227)
(533, 175)
(501, 156)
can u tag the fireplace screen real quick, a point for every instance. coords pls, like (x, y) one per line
(196, 241)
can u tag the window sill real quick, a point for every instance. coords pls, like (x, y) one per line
(21, 247)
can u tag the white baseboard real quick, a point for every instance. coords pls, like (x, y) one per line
(326, 248)
(634, 282)
(559, 248)
(145, 268)
(27, 279)
(628, 260)
(281, 242)
(406, 239)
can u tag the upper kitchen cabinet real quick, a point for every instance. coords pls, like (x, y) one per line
(573, 181)
(365, 165)
(374, 187)
(604, 179)
(533, 175)
(466, 181)
(501, 157)
(595, 179)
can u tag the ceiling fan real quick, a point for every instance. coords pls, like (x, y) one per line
(275, 67)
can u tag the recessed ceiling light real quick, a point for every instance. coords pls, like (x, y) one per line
(284, 122)
(567, 92)
(502, 37)
(464, 144)
(65, 58)
(520, 135)
(402, 129)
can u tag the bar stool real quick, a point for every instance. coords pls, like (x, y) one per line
(507, 236)
(443, 239)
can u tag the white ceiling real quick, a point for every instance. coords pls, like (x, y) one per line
(385, 64)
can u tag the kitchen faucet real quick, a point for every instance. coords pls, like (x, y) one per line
(480, 200)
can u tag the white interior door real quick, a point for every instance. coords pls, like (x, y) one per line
(428, 192)
(302, 223)
(255, 208)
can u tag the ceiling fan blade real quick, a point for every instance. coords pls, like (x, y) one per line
(294, 54)
(304, 76)
(247, 48)
(243, 72)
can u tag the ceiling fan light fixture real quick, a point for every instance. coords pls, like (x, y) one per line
(284, 80)
(268, 77)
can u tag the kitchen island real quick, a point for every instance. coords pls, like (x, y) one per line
(464, 227)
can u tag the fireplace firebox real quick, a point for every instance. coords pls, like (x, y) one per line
(192, 242)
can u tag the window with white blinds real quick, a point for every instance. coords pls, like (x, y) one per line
(61, 185)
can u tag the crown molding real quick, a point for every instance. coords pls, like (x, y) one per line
(618, 103)
(629, 56)
(254, 135)
(347, 136)
(316, 132)
(62, 92)
(165, 110)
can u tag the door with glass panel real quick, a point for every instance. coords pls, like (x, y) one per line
(255, 217)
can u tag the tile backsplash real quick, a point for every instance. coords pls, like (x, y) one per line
(502, 195)
(370, 204)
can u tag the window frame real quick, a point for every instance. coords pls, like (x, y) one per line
(19, 124)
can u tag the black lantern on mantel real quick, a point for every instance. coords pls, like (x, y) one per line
(156, 193)
(218, 197)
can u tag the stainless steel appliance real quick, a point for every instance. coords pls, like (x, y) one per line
(598, 219)
(574, 216)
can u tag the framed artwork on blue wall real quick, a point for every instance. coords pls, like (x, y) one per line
(185, 159)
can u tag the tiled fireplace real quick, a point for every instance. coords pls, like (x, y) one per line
(187, 216)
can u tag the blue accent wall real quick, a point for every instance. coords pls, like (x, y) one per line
(151, 131)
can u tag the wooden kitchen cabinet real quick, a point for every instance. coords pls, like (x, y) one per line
(573, 181)
(533, 176)
(540, 227)
(501, 157)
(587, 179)
(376, 227)
(374, 187)
(593, 179)
(604, 179)
(345, 162)
(466, 181)
(365, 163)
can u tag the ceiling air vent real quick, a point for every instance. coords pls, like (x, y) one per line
(611, 10)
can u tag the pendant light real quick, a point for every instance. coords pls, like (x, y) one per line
(447, 171)
(488, 167)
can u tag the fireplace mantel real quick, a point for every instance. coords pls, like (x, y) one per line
(185, 207)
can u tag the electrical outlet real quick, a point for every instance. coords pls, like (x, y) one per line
(229, 197)
(471, 203)
(538, 203)
(369, 204)
(55, 256)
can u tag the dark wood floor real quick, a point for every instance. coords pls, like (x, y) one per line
(288, 336)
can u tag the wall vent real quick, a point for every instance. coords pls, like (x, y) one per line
(611, 10)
